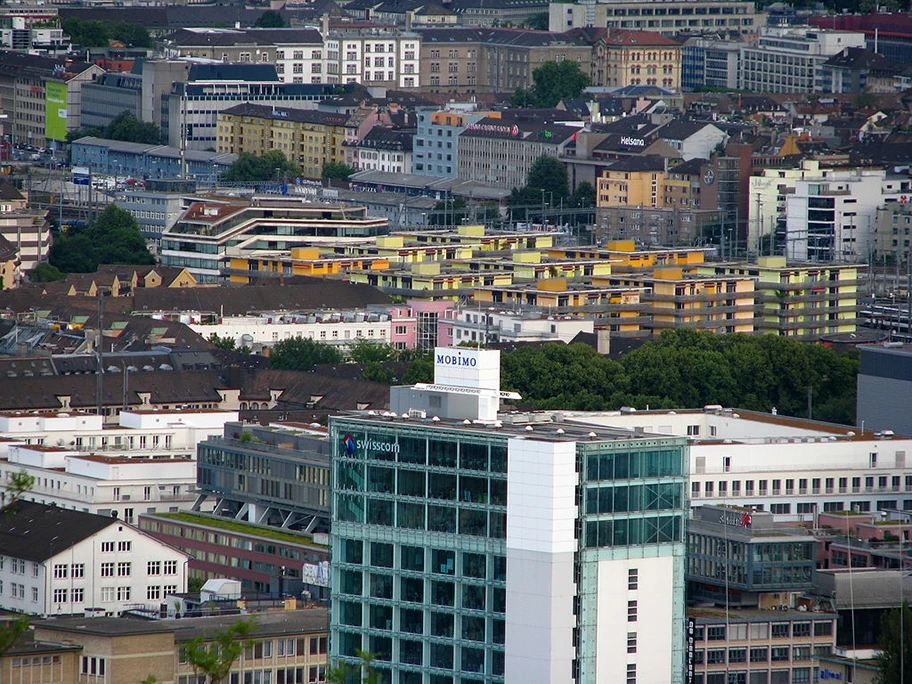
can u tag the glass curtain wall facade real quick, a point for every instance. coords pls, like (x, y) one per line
(419, 552)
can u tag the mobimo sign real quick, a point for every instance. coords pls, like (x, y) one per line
(456, 360)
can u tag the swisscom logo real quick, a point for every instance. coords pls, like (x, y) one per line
(351, 446)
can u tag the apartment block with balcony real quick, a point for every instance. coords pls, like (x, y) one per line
(674, 299)
(209, 234)
(800, 299)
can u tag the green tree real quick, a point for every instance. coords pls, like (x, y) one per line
(11, 628)
(537, 22)
(112, 238)
(133, 35)
(128, 128)
(368, 351)
(250, 168)
(86, 33)
(555, 81)
(226, 343)
(547, 181)
(269, 19)
(523, 98)
(19, 484)
(302, 354)
(349, 673)
(213, 658)
(895, 657)
(583, 195)
(337, 171)
(94, 33)
(420, 369)
(45, 273)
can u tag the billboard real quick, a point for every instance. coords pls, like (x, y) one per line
(55, 113)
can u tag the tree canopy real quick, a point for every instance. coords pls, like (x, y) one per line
(112, 238)
(250, 168)
(552, 82)
(337, 170)
(301, 353)
(687, 369)
(124, 127)
(45, 273)
(547, 181)
(895, 657)
(214, 658)
(92, 33)
(269, 19)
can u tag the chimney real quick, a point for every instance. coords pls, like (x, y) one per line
(603, 341)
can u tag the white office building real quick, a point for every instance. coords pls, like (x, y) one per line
(791, 467)
(146, 464)
(790, 59)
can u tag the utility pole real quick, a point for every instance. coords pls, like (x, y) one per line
(99, 352)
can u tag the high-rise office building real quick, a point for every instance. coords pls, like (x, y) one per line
(471, 545)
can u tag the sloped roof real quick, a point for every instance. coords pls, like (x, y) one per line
(314, 116)
(8, 191)
(37, 532)
(634, 38)
(316, 293)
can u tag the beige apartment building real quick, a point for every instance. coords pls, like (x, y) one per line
(308, 137)
(497, 59)
(286, 646)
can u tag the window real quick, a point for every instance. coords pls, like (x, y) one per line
(779, 653)
(153, 592)
(124, 569)
(107, 547)
(77, 595)
(631, 673)
(123, 593)
(60, 595)
(632, 579)
(171, 567)
(631, 611)
(91, 665)
(107, 594)
(758, 655)
(77, 570)
(823, 628)
(780, 631)
(715, 656)
(107, 569)
(631, 642)
(125, 545)
(153, 568)
(61, 571)
(693, 430)
(715, 633)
